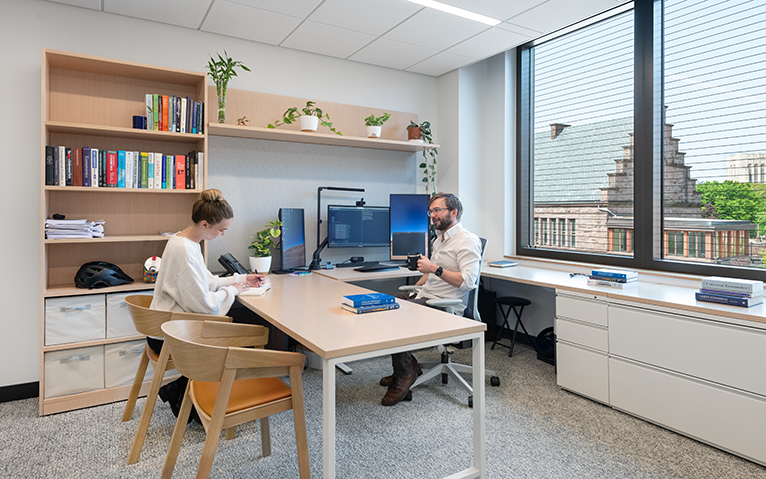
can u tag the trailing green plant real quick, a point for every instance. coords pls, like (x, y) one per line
(291, 116)
(373, 120)
(264, 239)
(429, 156)
(221, 71)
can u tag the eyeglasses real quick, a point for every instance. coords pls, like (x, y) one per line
(436, 210)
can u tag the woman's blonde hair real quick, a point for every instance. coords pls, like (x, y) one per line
(211, 207)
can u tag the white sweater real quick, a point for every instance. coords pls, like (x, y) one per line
(185, 284)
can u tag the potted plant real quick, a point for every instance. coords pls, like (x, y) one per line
(310, 118)
(262, 243)
(221, 71)
(423, 134)
(375, 124)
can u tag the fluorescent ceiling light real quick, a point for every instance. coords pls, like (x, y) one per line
(442, 7)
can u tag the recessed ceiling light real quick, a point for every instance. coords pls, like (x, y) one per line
(442, 7)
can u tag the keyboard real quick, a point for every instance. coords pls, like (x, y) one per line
(376, 267)
(356, 265)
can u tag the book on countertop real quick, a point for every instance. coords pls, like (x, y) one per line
(611, 284)
(754, 294)
(613, 279)
(614, 273)
(502, 264)
(728, 300)
(732, 284)
(371, 309)
(369, 299)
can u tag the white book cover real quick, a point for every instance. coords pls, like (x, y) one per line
(136, 169)
(62, 166)
(183, 115)
(158, 171)
(129, 169)
(149, 114)
(150, 172)
(732, 284)
(200, 170)
(94, 167)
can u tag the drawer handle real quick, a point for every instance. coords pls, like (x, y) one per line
(136, 350)
(75, 358)
(65, 309)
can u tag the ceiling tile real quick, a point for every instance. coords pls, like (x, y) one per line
(497, 9)
(92, 4)
(326, 40)
(435, 30)
(440, 64)
(237, 20)
(521, 30)
(488, 43)
(391, 54)
(367, 16)
(555, 14)
(184, 13)
(293, 8)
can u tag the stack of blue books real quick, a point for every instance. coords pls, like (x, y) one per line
(613, 278)
(730, 291)
(368, 303)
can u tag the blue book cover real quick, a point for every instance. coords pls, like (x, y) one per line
(164, 172)
(370, 299)
(120, 168)
(194, 117)
(371, 308)
(732, 293)
(728, 300)
(614, 273)
(85, 166)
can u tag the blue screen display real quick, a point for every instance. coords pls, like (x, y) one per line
(293, 245)
(357, 226)
(409, 225)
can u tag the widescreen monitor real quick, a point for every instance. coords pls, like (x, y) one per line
(357, 226)
(293, 244)
(409, 225)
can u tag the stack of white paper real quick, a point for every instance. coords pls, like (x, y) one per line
(70, 229)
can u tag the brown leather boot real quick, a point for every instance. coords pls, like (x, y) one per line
(386, 381)
(399, 390)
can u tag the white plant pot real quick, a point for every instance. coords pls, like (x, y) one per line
(374, 131)
(260, 264)
(309, 122)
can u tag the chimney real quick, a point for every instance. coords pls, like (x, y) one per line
(557, 128)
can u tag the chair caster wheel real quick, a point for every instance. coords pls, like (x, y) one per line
(470, 401)
(494, 381)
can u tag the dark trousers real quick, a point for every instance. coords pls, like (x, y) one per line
(156, 346)
(402, 362)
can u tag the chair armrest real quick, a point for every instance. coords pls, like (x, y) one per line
(443, 303)
(234, 334)
(409, 287)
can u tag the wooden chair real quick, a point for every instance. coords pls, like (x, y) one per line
(231, 385)
(148, 322)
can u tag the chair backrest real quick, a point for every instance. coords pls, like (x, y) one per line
(472, 308)
(147, 321)
(200, 348)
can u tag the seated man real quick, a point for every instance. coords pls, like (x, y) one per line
(451, 272)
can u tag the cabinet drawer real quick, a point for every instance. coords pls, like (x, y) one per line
(121, 363)
(581, 333)
(589, 311)
(720, 416)
(74, 319)
(74, 371)
(118, 321)
(582, 371)
(730, 355)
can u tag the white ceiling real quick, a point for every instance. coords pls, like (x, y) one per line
(389, 33)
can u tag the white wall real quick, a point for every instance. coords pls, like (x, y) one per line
(28, 26)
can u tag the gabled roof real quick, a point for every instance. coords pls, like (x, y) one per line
(572, 167)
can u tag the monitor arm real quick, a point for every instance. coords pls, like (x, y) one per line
(316, 261)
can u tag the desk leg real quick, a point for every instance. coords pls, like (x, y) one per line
(479, 453)
(328, 418)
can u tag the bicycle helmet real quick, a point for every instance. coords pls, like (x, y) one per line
(100, 274)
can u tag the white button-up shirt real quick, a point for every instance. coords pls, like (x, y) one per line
(456, 249)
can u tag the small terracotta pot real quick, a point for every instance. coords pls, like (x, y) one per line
(414, 133)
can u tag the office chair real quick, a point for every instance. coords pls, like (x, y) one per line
(148, 322)
(231, 384)
(445, 366)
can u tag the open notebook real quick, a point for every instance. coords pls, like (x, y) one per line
(256, 291)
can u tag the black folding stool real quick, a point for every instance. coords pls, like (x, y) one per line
(517, 305)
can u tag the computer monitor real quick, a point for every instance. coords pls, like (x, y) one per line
(409, 225)
(357, 226)
(293, 244)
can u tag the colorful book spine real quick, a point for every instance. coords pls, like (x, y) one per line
(613, 273)
(86, 166)
(94, 167)
(111, 169)
(157, 171)
(164, 172)
(150, 171)
(728, 300)
(194, 117)
(180, 177)
(371, 299)
(49, 174)
(371, 309)
(165, 116)
(128, 169)
(201, 118)
(156, 111)
(178, 114)
(183, 115)
(614, 280)
(62, 166)
(144, 169)
(187, 173)
(102, 168)
(121, 169)
(611, 284)
(732, 293)
(76, 166)
(149, 111)
(68, 166)
(170, 164)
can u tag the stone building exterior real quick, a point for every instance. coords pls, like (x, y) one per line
(746, 167)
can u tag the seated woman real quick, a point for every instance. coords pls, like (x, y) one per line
(184, 282)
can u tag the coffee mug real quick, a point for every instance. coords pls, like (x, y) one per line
(139, 122)
(412, 261)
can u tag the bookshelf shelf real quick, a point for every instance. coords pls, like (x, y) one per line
(90, 102)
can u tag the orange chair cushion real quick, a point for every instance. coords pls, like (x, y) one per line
(245, 393)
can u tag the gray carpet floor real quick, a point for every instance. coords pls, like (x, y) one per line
(533, 430)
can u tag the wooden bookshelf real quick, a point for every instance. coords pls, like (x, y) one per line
(90, 101)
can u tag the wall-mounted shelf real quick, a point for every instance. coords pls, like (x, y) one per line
(218, 129)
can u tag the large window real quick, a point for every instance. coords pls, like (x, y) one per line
(646, 128)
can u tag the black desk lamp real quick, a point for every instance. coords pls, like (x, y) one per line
(316, 260)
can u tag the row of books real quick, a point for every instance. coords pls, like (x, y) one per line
(730, 291)
(368, 303)
(613, 278)
(92, 167)
(73, 229)
(174, 113)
